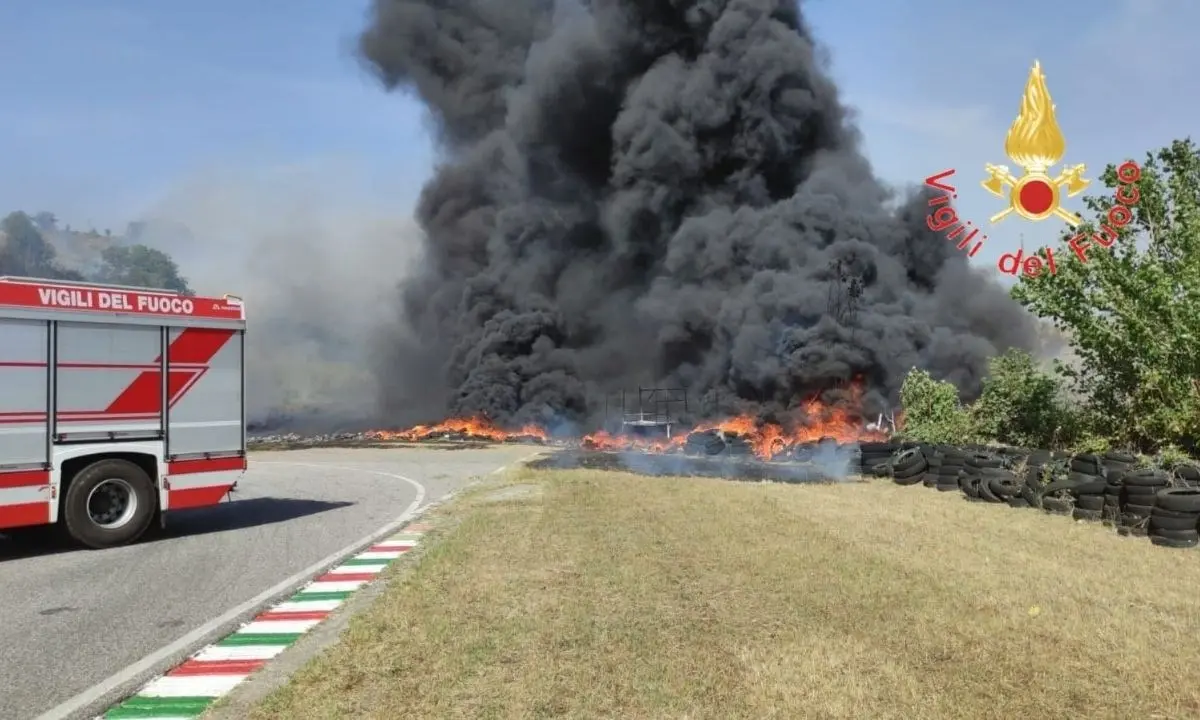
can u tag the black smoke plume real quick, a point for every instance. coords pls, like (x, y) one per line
(656, 193)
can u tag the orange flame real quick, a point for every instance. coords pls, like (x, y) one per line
(607, 441)
(475, 428)
(817, 420)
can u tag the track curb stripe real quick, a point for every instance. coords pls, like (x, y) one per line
(187, 690)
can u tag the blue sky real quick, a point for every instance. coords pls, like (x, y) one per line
(110, 104)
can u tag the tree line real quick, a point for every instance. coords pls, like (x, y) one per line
(1131, 317)
(26, 251)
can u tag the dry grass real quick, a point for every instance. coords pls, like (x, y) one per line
(615, 596)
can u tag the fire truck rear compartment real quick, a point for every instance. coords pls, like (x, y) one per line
(86, 381)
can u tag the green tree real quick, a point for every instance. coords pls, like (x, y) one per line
(141, 266)
(25, 251)
(1021, 405)
(1132, 312)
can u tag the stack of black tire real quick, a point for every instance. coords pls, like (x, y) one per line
(970, 481)
(968, 477)
(909, 466)
(875, 458)
(953, 464)
(853, 456)
(1056, 497)
(1035, 464)
(828, 450)
(1032, 472)
(706, 442)
(1175, 518)
(985, 477)
(1009, 485)
(803, 452)
(933, 456)
(1139, 495)
(1085, 486)
(1116, 465)
(738, 445)
(1089, 499)
(1111, 488)
(1188, 475)
(1061, 479)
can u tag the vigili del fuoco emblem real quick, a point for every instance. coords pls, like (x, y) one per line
(1036, 143)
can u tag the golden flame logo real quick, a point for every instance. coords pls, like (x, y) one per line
(1035, 143)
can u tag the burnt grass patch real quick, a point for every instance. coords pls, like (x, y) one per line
(747, 469)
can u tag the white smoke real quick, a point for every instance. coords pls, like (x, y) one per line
(317, 265)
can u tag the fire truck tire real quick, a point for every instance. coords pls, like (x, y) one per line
(109, 503)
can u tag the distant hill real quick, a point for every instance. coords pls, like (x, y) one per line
(35, 245)
(81, 251)
(76, 250)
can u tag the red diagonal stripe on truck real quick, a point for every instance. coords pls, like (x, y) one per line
(194, 348)
(197, 346)
(142, 395)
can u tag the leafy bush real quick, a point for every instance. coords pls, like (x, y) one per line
(932, 412)
(1091, 442)
(1021, 405)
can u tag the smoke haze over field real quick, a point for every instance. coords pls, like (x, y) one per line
(652, 193)
(317, 268)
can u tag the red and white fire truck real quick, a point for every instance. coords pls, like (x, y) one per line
(117, 404)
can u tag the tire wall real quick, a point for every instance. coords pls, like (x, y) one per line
(1116, 489)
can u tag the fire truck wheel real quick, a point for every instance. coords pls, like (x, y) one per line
(110, 502)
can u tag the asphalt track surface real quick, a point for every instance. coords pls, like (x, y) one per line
(74, 618)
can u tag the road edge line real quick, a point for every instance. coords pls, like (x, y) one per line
(211, 629)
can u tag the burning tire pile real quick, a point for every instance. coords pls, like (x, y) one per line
(716, 443)
(1116, 489)
(730, 455)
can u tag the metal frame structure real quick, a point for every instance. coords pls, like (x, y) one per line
(654, 410)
